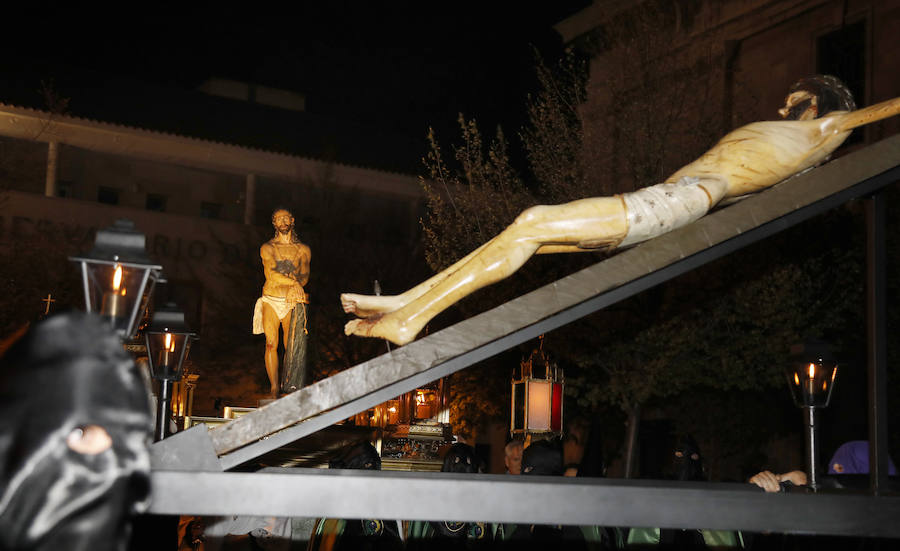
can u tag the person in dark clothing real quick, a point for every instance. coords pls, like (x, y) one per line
(351, 534)
(75, 430)
(446, 534)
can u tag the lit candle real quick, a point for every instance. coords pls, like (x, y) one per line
(812, 380)
(167, 352)
(113, 305)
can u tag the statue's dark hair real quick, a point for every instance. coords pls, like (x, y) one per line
(831, 95)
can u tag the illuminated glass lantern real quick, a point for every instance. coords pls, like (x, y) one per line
(168, 343)
(537, 396)
(118, 277)
(811, 374)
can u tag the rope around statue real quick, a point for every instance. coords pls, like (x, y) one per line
(819, 114)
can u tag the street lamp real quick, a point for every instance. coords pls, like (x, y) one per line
(811, 376)
(537, 396)
(168, 343)
(118, 277)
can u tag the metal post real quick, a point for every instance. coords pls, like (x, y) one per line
(163, 405)
(812, 447)
(876, 316)
(52, 164)
(249, 199)
(634, 422)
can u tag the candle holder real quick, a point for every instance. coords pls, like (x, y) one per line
(168, 343)
(811, 375)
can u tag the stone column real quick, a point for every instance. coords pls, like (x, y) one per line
(52, 169)
(249, 199)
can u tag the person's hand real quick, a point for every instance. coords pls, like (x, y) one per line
(296, 294)
(767, 480)
(797, 478)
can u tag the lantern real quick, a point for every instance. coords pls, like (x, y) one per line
(810, 376)
(168, 343)
(537, 396)
(118, 277)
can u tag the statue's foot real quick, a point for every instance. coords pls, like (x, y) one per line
(381, 327)
(366, 306)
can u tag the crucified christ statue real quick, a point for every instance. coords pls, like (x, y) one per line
(819, 114)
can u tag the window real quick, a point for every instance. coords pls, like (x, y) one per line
(108, 195)
(210, 210)
(156, 202)
(64, 189)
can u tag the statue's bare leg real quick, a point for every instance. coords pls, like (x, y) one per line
(271, 323)
(594, 220)
(365, 306)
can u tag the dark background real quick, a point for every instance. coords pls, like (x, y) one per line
(383, 71)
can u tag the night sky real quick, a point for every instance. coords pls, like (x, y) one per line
(400, 67)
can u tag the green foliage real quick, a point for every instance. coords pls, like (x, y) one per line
(469, 205)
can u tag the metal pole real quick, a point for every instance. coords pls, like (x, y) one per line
(812, 447)
(634, 422)
(163, 405)
(876, 316)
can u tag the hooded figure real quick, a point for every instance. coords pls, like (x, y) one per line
(542, 457)
(75, 427)
(687, 463)
(853, 458)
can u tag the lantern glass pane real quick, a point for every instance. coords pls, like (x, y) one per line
(114, 292)
(519, 406)
(556, 408)
(539, 397)
(812, 383)
(166, 352)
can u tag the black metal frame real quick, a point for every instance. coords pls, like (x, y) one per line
(639, 503)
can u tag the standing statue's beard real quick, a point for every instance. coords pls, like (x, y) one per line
(284, 229)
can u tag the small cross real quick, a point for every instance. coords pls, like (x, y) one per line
(48, 300)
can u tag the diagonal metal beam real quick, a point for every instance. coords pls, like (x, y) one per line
(570, 298)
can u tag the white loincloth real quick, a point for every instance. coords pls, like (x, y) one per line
(659, 209)
(280, 306)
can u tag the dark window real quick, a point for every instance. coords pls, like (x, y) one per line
(842, 53)
(156, 202)
(64, 189)
(210, 210)
(108, 195)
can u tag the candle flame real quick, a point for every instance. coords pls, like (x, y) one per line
(812, 371)
(169, 345)
(117, 279)
(796, 379)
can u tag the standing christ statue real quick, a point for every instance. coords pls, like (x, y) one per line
(283, 303)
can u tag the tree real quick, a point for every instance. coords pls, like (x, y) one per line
(724, 328)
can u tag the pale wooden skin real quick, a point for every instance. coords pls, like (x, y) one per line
(277, 284)
(747, 160)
